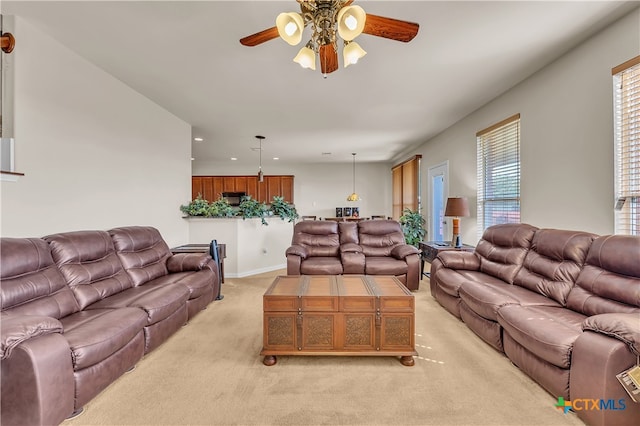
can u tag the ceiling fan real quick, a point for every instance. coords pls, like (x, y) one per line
(329, 19)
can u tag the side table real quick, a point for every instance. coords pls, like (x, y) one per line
(430, 249)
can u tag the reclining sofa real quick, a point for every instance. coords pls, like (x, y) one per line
(372, 247)
(79, 309)
(563, 306)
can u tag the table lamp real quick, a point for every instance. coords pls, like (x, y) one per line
(457, 207)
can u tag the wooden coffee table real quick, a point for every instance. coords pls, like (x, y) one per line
(356, 315)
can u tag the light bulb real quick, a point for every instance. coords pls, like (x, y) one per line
(351, 22)
(290, 28)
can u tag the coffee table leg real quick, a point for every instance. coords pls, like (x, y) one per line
(269, 360)
(406, 360)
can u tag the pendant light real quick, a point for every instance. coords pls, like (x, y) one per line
(260, 174)
(354, 196)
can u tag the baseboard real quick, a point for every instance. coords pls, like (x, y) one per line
(255, 271)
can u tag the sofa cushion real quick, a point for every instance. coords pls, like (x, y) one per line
(503, 248)
(379, 237)
(319, 238)
(30, 282)
(198, 282)
(547, 332)
(321, 266)
(94, 335)
(348, 232)
(485, 298)
(384, 266)
(89, 264)
(142, 251)
(553, 262)
(158, 301)
(609, 282)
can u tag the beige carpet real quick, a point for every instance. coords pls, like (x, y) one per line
(211, 373)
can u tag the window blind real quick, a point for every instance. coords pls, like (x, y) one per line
(626, 78)
(498, 171)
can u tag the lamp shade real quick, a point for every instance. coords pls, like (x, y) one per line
(351, 53)
(351, 21)
(290, 26)
(457, 206)
(306, 58)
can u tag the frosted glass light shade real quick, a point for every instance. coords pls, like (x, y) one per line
(351, 53)
(306, 58)
(290, 26)
(351, 21)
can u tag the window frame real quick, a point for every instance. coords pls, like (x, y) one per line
(498, 137)
(626, 129)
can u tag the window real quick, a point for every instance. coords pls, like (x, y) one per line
(626, 105)
(406, 186)
(499, 173)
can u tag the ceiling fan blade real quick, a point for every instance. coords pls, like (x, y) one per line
(328, 58)
(393, 29)
(261, 37)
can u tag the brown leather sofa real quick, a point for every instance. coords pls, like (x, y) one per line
(79, 309)
(563, 306)
(371, 247)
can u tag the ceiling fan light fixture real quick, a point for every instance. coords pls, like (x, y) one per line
(351, 53)
(351, 20)
(306, 57)
(290, 26)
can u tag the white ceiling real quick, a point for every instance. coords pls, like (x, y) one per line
(186, 57)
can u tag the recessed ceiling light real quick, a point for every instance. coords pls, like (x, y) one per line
(192, 158)
(198, 139)
(326, 153)
(276, 158)
(233, 158)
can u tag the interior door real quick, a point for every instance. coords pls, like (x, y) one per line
(438, 183)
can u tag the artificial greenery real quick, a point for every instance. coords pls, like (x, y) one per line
(250, 207)
(197, 207)
(412, 226)
(283, 209)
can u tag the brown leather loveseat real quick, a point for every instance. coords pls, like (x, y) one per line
(371, 247)
(563, 306)
(79, 309)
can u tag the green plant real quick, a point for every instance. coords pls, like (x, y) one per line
(283, 209)
(221, 208)
(412, 226)
(197, 207)
(252, 208)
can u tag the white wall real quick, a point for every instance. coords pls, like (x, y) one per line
(566, 137)
(320, 188)
(95, 154)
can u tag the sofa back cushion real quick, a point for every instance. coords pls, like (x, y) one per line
(142, 251)
(503, 248)
(30, 282)
(379, 237)
(348, 232)
(320, 238)
(553, 262)
(609, 282)
(89, 264)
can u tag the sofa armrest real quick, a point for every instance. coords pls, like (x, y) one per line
(350, 248)
(464, 260)
(182, 262)
(15, 330)
(624, 327)
(403, 250)
(297, 250)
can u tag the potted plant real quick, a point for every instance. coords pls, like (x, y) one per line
(197, 207)
(283, 209)
(250, 207)
(221, 208)
(412, 226)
